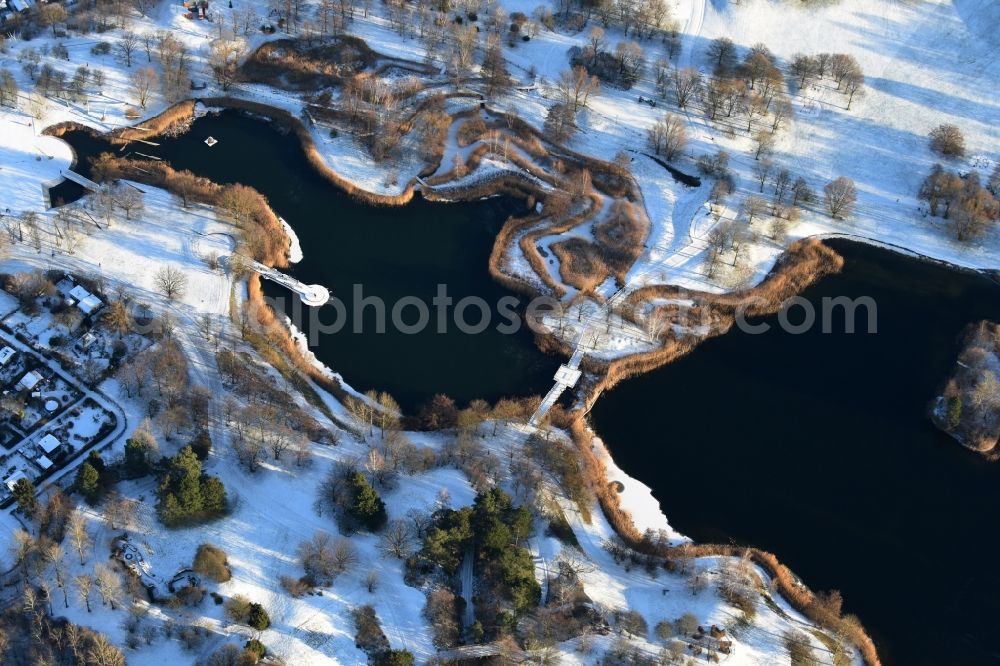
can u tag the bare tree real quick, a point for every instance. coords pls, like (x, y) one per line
(104, 653)
(323, 558)
(8, 88)
(143, 81)
(762, 171)
(396, 539)
(801, 192)
(108, 584)
(781, 111)
(804, 68)
(595, 44)
(753, 207)
(765, 144)
(371, 581)
(948, 140)
(560, 123)
(840, 196)
(687, 83)
(782, 182)
(721, 53)
(79, 535)
(171, 281)
(576, 86)
(854, 86)
(130, 200)
(84, 584)
(226, 54)
(668, 136)
(127, 45)
(842, 66)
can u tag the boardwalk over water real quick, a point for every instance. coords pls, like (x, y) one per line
(569, 373)
(313, 295)
(69, 174)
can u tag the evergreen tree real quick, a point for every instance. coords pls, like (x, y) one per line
(183, 480)
(488, 520)
(88, 482)
(446, 542)
(394, 658)
(258, 618)
(202, 445)
(255, 648)
(186, 494)
(170, 510)
(213, 495)
(520, 521)
(954, 411)
(97, 462)
(139, 452)
(27, 500)
(493, 535)
(367, 508)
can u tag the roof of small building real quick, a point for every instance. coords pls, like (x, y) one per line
(49, 443)
(65, 286)
(89, 304)
(79, 293)
(14, 478)
(5, 355)
(43, 462)
(30, 380)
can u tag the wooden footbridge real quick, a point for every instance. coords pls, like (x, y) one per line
(69, 174)
(569, 373)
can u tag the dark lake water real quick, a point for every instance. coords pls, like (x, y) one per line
(392, 252)
(817, 448)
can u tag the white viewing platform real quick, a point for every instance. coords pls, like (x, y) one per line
(566, 377)
(313, 295)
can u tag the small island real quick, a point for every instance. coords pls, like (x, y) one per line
(969, 407)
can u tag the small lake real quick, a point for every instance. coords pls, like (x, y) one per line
(393, 252)
(817, 448)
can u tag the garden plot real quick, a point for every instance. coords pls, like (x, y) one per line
(44, 403)
(84, 424)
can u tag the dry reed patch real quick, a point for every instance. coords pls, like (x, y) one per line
(622, 236)
(558, 224)
(172, 119)
(623, 228)
(291, 64)
(581, 264)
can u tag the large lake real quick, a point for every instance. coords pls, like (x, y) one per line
(813, 446)
(817, 447)
(392, 252)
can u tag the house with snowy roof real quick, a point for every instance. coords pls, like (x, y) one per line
(29, 381)
(48, 444)
(14, 478)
